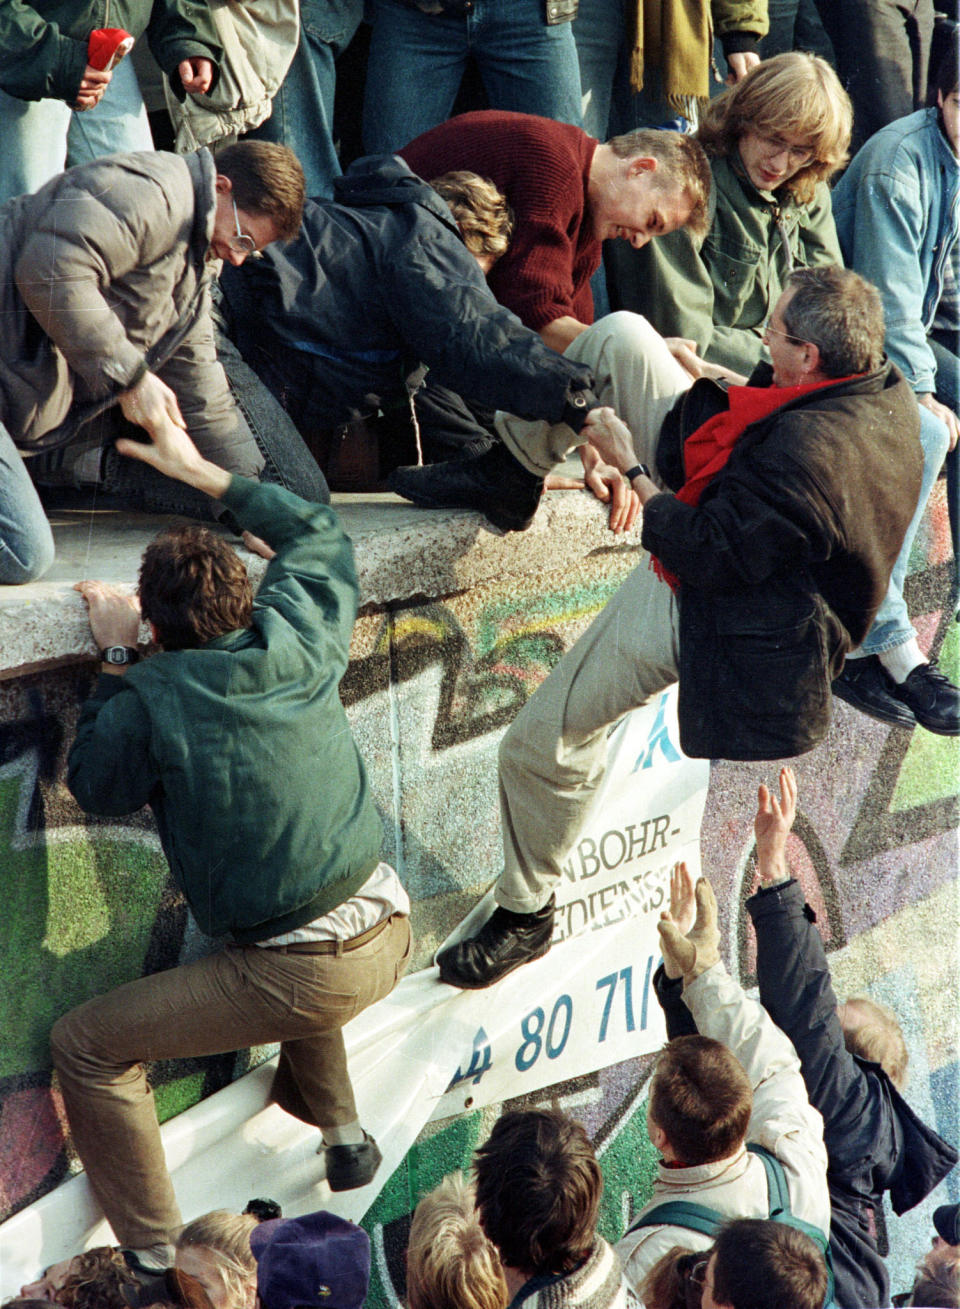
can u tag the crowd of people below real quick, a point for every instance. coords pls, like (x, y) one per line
(741, 310)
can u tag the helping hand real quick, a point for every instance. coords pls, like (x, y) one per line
(610, 438)
(114, 617)
(772, 826)
(690, 955)
(92, 86)
(196, 74)
(608, 486)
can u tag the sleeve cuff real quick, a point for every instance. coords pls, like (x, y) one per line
(740, 43)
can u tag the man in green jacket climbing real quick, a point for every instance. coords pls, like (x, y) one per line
(235, 735)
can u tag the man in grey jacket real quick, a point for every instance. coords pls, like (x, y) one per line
(104, 300)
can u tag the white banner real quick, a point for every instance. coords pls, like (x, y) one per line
(430, 1051)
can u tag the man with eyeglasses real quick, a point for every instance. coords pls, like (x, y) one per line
(793, 494)
(105, 303)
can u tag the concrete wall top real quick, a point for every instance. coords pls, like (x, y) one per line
(402, 553)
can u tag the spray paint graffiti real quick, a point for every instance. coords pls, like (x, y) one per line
(90, 904)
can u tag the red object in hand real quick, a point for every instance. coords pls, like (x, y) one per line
(107, 46)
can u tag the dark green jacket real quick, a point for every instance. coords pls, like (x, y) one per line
(242, 746)
(43, 46)
(722, 294)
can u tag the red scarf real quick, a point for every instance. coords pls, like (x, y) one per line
(707, 450)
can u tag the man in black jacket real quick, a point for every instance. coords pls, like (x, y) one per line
(853, 1061)
(380, 282)
(770, 564)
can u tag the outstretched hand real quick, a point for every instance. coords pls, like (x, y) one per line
(772, 826)
(170, 449)
(683, 902)
(114, 616)
(609, 487)
(689, 955)
(610, 438)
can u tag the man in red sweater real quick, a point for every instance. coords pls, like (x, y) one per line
(568, 193)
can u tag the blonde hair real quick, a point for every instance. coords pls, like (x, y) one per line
(450, 1263)
(226, 1236)
(481, 212)
(794, 93)
(878, 1039)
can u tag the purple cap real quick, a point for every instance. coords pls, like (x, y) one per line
(946, 1220)
(317, 1260)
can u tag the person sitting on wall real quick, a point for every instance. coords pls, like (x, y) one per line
(853, 1059)
(538, 1196)
(793, 495)
(568, 193)
(235, 735)
(104, 301)
(734, 1084)
(450, 1262)
(774, 140)
(898, 217)
(388, 276)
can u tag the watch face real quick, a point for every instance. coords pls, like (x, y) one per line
(117, 654)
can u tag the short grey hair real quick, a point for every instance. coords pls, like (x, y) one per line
(840, 313)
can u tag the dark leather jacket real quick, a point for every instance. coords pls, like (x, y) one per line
(785, 560)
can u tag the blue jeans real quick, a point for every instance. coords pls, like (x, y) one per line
(946, 351)
(610, 105)
(302, 115)
(892, 626)
(42, 137)
(26, 542)
(417, 62)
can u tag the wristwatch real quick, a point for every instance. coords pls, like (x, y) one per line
(118, 655)
(638, 470)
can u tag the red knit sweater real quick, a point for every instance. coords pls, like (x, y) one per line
(542, 168)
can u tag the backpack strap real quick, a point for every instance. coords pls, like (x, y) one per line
(777, 1192)
(681, 1213)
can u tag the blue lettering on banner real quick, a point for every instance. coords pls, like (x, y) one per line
(659, 737)
(480, 1061)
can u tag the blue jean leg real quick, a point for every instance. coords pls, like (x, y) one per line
(417, 62)
(26, 542)
(119, 121)
(946, 351)
(891, 626)
(302, 116)
(600, 33)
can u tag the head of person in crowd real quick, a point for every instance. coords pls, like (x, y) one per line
(193, 587)
(538, 1188)
(672, 1282)
(946, 1222)
(97, 1279)
(215, 1251)
(481, 212)
(263, 1209)
(700, 1102)
(827, 323)
(450, 1262)
(937, 1281)
(311, 1262)
(259, 198)
(647, 183)
(760, 1264)
(946, 83)
(789, 120)
(873, 1032)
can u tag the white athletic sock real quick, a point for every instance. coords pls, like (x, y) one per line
(345, 1134)
(903, 659)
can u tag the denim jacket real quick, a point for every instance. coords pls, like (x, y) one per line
(897, 208)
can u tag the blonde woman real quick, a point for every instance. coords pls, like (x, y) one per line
(773, 141)
(215, 1251)
(450, 1262)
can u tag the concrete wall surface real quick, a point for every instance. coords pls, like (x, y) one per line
(457, 629)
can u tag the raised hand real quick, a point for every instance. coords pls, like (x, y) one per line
(772, 825)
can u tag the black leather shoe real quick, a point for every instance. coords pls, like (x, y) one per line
(866, 684)
(350, 1166)
(493, 483)
(504, 942)
(932, 698)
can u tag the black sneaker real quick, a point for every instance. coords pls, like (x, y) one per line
(866, 684)
(504, 942)
(494, 483)
(350, 1166)
(932, 698)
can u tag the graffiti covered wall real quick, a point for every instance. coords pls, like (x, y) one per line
(430, 689)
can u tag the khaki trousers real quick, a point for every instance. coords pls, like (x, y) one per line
(243, 996)
(553, 757)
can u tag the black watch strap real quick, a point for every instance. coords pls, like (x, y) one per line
(638, 470)
(118, 655)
